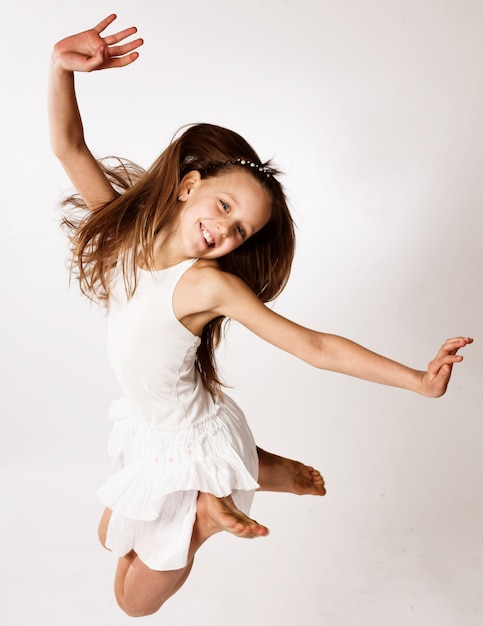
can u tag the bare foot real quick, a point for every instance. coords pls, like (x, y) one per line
(276, 473)
(214, 515)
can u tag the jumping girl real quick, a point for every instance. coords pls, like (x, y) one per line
(204, 235)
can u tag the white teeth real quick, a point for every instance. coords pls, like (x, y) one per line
(208, 238)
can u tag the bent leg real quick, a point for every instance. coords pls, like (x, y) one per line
(276, 473)
(142, 591)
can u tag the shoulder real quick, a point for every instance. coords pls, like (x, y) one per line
(212, 287)
(208, 292)
(205, 292)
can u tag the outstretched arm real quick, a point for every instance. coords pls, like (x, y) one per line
(84, 52)
(342, 355)
(229, 296)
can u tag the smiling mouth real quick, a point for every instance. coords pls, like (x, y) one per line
(210, 242)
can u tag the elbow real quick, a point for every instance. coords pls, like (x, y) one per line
(60, 151)
(316, 354)
(66, 149)
(57, 149)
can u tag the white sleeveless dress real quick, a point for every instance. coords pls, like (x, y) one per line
(170, 438)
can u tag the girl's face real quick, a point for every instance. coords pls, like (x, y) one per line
(220, 213)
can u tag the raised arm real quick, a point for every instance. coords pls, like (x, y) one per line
(330, 352)
(84, 52)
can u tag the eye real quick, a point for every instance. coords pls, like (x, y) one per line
(241, 231)
(225, 206)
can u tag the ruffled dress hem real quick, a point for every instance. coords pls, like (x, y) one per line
(158, 474)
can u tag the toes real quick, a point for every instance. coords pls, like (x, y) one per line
(245, 527)
(251, 531)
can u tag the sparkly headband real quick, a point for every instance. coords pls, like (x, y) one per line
(268, 171)
(262, 169)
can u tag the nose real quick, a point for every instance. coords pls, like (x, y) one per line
(222, 228)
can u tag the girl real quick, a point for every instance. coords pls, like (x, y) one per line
(204, 235)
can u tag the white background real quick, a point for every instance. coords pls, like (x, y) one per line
(374, 111)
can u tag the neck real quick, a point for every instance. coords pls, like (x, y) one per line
(166, 250)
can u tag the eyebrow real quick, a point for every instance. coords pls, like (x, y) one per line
(231, 196)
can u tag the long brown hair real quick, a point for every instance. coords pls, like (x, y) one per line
(147, 202)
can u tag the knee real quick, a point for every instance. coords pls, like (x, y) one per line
(137, 611)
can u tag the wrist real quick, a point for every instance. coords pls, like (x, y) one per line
(57, 63)
(410, 379)
(418, 382)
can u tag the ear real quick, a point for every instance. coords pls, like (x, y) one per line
(187, 183)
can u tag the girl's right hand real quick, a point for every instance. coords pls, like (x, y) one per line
(88, 51)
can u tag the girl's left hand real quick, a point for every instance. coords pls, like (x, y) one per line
(436, 379)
